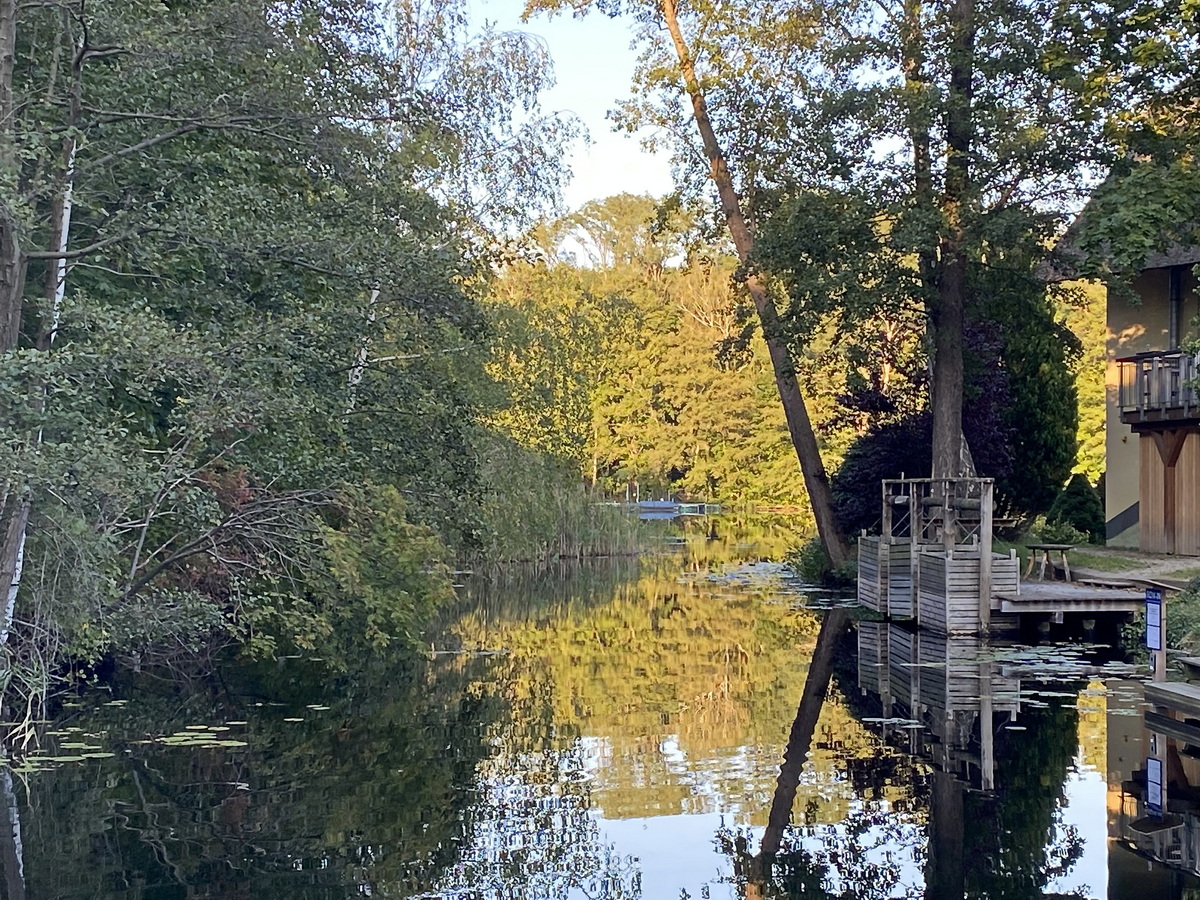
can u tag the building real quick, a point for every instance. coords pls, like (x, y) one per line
(1152, 485)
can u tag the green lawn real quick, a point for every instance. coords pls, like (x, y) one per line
(1105, 562)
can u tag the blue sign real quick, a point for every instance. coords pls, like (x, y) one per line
(1154, 619)
(1154, 787)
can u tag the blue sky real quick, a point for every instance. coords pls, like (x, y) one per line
(594, 66)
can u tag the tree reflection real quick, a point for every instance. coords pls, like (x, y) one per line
(370, 796)
(1003, 845)
(1023, 847)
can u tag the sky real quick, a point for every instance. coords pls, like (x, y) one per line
(593, 65)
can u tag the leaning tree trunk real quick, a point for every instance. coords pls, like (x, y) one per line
(804, 439)
(950, 300)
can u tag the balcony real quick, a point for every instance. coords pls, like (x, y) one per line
(1159, 387)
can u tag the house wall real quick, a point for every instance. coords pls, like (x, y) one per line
(1137, 327)
(1187, 498)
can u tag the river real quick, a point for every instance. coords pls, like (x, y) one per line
(612, 731)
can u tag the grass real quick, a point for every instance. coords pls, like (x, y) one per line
(1100, 560)
(1105, 562)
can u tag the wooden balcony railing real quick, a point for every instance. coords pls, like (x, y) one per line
(1159, 387)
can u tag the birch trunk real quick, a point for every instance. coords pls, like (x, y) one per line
(14, 511)
(12, 850)
(362, 355)
(14, 518)
(804, 439)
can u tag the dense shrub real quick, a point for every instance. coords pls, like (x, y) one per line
(1079, 506)
(889, 450)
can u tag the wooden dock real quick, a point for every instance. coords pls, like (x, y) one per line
(928, 565)
(1067, 597)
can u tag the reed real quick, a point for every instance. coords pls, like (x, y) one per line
(538, 509)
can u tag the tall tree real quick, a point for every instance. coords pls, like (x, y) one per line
(958, 130)
(667, 14)
(245, 224)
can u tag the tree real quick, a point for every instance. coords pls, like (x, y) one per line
(956, 130)
(667, 13)
(254, 237)
(1142, 59)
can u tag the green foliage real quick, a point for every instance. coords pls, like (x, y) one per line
(537, 509)
(1084, 305)
(1080, 507)
(1060, 532)
(1183, 623)
(888, 450)
(278, 223)
(385, 578)
(812, 565)
(617, 368)
(1038, 356)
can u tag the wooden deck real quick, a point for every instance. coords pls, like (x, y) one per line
(1067, 597)
(1182, 697)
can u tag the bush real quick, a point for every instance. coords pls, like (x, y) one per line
(886, 451)
(1043, 531)
(812, 565)
(1183, 621)
(1078, 505)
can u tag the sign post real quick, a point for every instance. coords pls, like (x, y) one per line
(1156, 633)
(1154, 787)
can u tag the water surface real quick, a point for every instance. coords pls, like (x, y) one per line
(608, 732)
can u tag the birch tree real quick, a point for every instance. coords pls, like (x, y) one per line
(196, 203)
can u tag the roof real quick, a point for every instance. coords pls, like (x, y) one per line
(1068, 260)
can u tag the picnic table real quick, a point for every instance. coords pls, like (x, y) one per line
(1042, 553)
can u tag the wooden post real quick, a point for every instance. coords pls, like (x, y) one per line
(949, 537)
(914, 551)
(986, 497)
(949, 554)
(987, 747)
(885, 529)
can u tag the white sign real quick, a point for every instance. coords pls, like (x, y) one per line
(1154, 787)
(1154, 605)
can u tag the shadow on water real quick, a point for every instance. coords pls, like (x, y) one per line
(609, 730)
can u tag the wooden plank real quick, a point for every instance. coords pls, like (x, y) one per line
(985, 556)
(1150, 494)
(1183, 697)
(1173, 728)
(1188, 484)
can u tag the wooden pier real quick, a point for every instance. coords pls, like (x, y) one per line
(928, 565)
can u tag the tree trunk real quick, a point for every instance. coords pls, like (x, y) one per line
(14, 510)
(8, 56)
(12, 850)
(816, 685)
(950, 302)
(14, 523)
(12, 280)
(804, 439)
(913, 59)
(945, 865)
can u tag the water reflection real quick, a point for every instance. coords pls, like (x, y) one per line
(614, 732)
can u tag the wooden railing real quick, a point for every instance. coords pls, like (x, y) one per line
(1159, 387)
